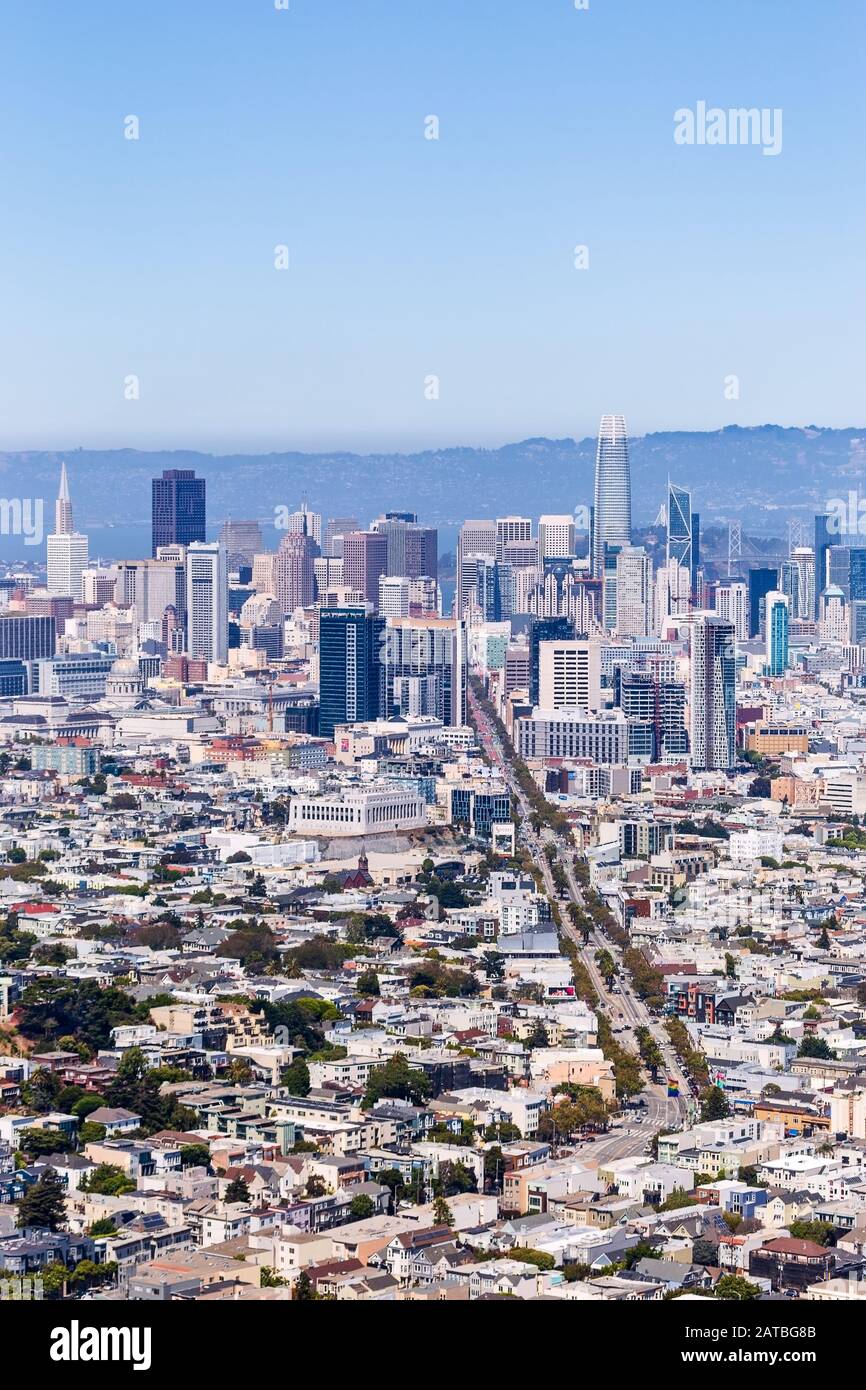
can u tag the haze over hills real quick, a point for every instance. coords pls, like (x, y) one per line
(761, 475)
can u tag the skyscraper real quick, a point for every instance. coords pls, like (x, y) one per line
(555, 537)
(476, 538)
(177, 508)
(365, 558)
(680, 528)
(294, 571)
(824, 538)
(777, 633)
(207, 591)
(612, 508)
(242, 540)
(633, 592)
(761, 582)
(425, 668)
(552, 629)
(66, 548)
(569, 676)
(713, 693)
(510, 529)
(350, 667)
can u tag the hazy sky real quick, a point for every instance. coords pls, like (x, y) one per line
(411, 257)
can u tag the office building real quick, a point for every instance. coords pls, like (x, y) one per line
(178, 515)
(207, 590)
(633, 592)
(511, 529)
(477, 538)
(611, 523)
(552, 629)
(760, 582)
(833, 615)
(825, 537)
(294, 571)
(569, 675)
(365, 558)
(350, 667)
(336, 528)
(556, 535)
(67, 549)
(242, 540)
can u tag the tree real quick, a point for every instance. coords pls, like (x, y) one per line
(714, 1104)
(540, 1258)
(303, 1292)
(396, 1080)
(195, 1155)
(108, 1180)
(296, 1078)
(237, 1191)
(704, 1252)
(812, 1046)
(442, 1215)
(678, 1199)
(43, 1204)
(455, 1178)
(367, 984)
(105, 1227)
(361, 1207)
(820, 1232)
(735, 1286)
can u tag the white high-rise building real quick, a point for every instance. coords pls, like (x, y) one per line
(394, 596)
(207, 593)
(732, 602)
(305, 520)
(569, 675)
(832, 615)
(555, 537)
(633, 592)
(612, 515)
(67, 549)
(673, 589)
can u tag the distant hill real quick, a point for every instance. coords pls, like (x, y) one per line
(761, 475)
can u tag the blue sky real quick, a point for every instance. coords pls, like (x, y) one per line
(411, 257)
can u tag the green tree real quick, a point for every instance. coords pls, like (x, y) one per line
(812, 1046)
(361, 1207)
(108, 1180)
(43, 1205)
(442, 1215)
(296, 1077)
(195, 1155)
(303, 1292)
(736, 1287)
(396, 1080)
(237, 1191)
(714, 1104)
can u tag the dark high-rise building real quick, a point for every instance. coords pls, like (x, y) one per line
(350, 667)
(27, 638)
(545, 630)
(761, 582)
(177, 508)
(696, 552)
(824, 538)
